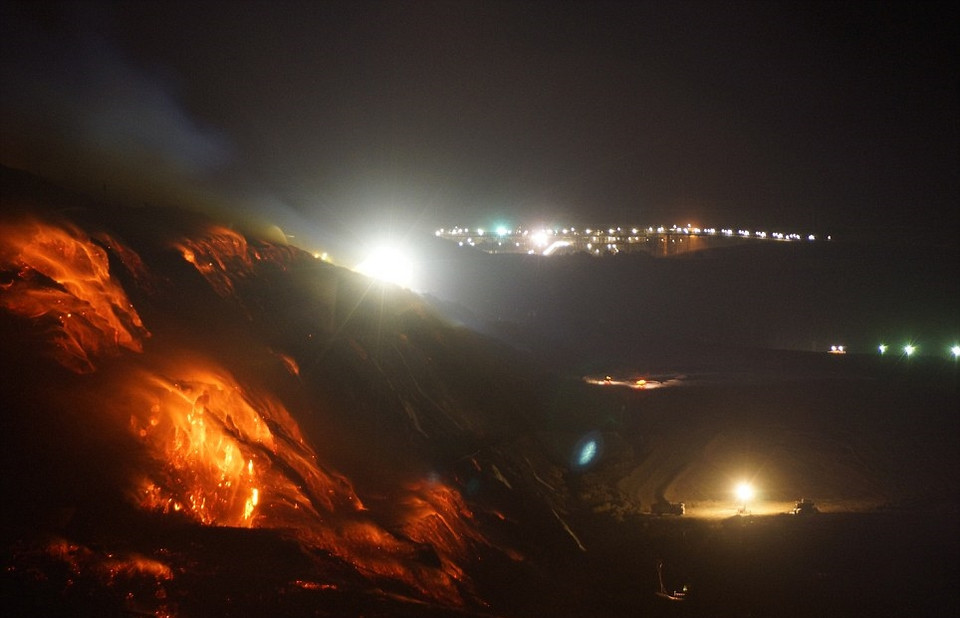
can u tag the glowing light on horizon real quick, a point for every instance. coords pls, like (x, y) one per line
(744, 492)
(388, 264)
(909, 349)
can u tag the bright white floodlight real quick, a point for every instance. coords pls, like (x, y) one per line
(388, 264)
(744, 493)
(909, 349)
(955, 350)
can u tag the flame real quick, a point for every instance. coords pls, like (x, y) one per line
(438, 516)
(224, 256)
(226, 456)
(220, 253)
(226, 453)
(63, 281)
(217, 451)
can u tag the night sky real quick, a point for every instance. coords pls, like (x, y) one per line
(838, 117)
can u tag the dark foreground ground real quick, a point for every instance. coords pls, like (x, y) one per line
(834, 564)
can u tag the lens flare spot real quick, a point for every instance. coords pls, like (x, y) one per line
(587, 451)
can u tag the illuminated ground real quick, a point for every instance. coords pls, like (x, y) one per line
(853, 438)
(871, 445)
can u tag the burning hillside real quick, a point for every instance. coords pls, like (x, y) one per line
(201, 379)
(199, 421)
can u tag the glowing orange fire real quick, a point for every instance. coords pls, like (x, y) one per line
(110, 565)
(222, 256)
(221, 253)
(225, 454)
(219, 452)
(229, 457)
(143, 579)
(63, 279)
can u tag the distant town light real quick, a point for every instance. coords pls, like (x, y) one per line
(534, 240)
(909, 349)
(955, 350)
(882, 348)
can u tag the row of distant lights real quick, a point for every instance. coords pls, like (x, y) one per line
(911, 349)
(908, 350)
(674, 229)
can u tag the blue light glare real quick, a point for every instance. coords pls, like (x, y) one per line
(587, 453)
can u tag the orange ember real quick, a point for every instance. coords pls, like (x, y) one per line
(439, 517)
(223, 252)
(109, 565)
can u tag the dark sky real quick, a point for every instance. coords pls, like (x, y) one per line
(794, 116)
